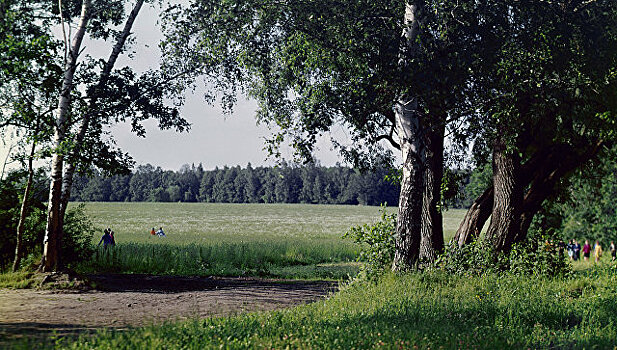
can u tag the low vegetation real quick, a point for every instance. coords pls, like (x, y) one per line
(286, 259)
(431, 309)
(275, 240)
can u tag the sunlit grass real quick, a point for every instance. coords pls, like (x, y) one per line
(280, 240)
(422, 310)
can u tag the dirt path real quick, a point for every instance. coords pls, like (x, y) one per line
(132, 300)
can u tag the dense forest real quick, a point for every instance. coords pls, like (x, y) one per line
(283, 184)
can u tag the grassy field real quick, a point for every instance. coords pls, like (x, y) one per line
(421, 310)
(280, 240)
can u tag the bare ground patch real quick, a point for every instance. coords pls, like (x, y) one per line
(121, 301)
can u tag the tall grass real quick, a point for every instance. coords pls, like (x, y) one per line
(282, 240)
(425, 310)
(273, 258)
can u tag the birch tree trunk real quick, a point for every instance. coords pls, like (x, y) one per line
(432, 241)
(24, 210)
(409, 220)
(408, 225)
(88, 115)
(53, 229)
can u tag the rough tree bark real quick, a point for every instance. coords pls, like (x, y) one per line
(508, 198)
(24, 210)
(53, 230)
(473, 222)
(563, 160)
(88, 115)
(432, 241)
(408, 225)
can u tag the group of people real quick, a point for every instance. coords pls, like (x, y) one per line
(158, 233)
(574, 250)
(108, 238)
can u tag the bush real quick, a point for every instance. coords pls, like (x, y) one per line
(11, 193)
(77, 243)
(377, 243)
(539, 255)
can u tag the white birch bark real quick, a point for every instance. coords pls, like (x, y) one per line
(53, 230)
(87, 118)
(408, 227)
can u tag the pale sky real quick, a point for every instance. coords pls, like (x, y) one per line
(214, 139)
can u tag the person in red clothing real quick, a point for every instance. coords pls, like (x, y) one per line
(153, 232)
(586, 250)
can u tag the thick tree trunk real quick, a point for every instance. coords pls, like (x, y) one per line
(508, 198)
(53, 230)
(409, 220)
(471, 226)
(408, 225)
(432, 241)
(86, 120)
(563, 160)
(24, 211)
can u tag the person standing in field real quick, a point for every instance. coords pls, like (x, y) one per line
(586, 250)
(570, 249)
(106, 239)
(113, 239)
(153, 232)
(160, 232)
(597, 251)
(577, 250)
(613, 251)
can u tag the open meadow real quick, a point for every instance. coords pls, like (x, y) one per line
(279, 240)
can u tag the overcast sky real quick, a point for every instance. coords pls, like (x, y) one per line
(214, 140)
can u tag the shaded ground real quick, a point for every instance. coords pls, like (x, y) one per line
(121, 301)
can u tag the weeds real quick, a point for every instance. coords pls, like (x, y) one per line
(430, 309)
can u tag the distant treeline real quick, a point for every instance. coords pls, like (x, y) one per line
(284, 184)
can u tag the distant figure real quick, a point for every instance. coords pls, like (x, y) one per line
(613, 251)
(160, 232)
(113, 239)
(586, 250)
(597, 251)
(152, 232)
(577, 251)
(106, 239)
(560, 247)
(570, 249)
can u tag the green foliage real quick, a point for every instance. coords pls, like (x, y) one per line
(539, 255)
(281, 184)
(77, 240)
(11, 193)
(480, 179)
(79, 231)
(421, 310)
(377, 243)
(587, 208)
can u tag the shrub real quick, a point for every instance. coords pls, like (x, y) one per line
(78, 233)
(377, 243)
(539, 255)
(11, 193)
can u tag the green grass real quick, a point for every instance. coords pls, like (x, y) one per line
(419, 310)
(280, 240)
(18, 280)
